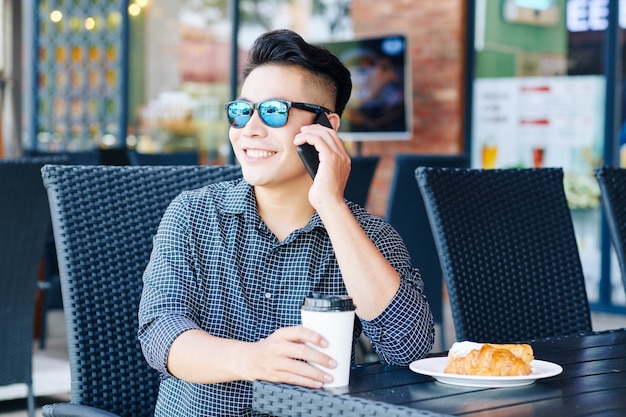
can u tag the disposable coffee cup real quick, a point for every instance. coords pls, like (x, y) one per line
(332, 316)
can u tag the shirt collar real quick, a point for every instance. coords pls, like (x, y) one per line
(240, 199)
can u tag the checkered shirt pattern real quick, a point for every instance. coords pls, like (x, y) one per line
(216, 266)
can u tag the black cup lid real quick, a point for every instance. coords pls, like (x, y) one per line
(323, 302)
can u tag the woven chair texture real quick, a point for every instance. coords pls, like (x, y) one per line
(51, 285)
(302, 402)
(24, 222)
(508, 252)
(612, 183)
(104, 218)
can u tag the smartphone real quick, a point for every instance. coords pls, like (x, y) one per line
(308, 153)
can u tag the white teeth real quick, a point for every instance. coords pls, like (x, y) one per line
(257, 153)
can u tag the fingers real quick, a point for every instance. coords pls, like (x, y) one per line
(298, 372)
(334, 166)
(320, 135)
(287, 356)
(299, 345)
(330, 146)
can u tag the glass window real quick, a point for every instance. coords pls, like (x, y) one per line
(538, 100)
(181, 65)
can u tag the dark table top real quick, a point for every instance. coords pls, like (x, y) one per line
(593, 382)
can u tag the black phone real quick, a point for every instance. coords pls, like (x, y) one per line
(308, 153)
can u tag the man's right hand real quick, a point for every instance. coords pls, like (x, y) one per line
(283, 357)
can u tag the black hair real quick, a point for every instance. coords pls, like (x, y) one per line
(285, 47)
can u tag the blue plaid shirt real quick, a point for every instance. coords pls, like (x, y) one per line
(216, 266)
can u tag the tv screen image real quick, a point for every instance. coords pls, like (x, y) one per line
(380, 104)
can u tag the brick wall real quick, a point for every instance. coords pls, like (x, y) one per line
(435, 32)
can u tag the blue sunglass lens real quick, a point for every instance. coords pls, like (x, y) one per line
(239, 113)
(274, 113)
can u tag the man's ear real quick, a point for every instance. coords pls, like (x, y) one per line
(334, 120)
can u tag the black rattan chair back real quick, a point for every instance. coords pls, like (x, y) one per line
(612, 182)
(24, 222)
(508, 252)
(104, 218)
(407, 214)
(51, 285)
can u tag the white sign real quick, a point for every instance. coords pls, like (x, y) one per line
(592, 15)
(561, 117)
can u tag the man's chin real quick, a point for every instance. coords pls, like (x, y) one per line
(254, 177)
(264, 177)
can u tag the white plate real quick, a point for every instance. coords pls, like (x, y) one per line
(434, 367)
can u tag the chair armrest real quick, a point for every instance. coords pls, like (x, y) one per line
(73, 410)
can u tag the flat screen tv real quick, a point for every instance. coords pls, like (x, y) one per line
(380, 105)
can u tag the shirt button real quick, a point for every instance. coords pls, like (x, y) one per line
(268, 295)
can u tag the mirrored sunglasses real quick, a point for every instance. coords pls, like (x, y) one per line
(273, 113)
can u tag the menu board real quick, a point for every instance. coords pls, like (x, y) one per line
(538, 121)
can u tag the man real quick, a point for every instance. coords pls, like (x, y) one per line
(233, 261)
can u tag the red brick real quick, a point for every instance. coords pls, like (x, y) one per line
(435, 32)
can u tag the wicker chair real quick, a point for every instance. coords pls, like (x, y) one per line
(24, 222)
(51, 285)
(407, 214)
(508, 252)
(104, 218)
(612, 182)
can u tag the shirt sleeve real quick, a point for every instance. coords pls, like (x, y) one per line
(405, 330)
(168, 282)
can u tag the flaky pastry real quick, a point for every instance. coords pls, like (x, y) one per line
(468, 358)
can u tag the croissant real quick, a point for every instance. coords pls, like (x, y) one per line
(490, 360)
(522, 351)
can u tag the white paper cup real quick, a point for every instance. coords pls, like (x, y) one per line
(332, 316)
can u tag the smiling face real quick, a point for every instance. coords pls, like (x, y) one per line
(267, 155)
